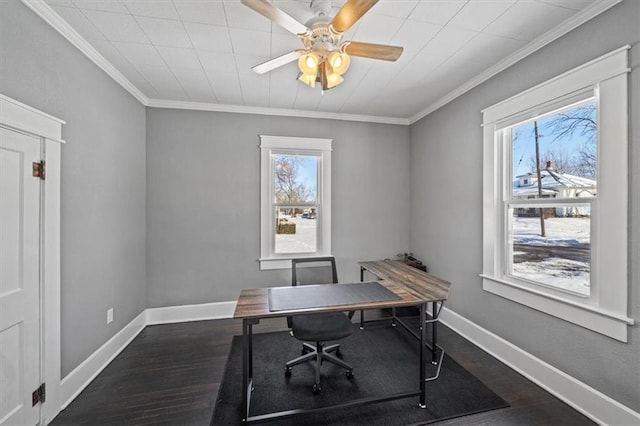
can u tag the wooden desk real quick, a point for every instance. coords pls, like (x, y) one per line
(414, 288)
(426, 287)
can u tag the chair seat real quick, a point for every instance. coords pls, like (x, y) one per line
(321, 327)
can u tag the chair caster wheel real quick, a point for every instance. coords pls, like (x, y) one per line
(316, 389)
(349, 375)
(287, 372)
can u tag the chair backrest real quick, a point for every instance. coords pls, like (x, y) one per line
(313, 270)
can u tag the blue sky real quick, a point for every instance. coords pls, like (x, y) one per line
(308, 171)
(524, 146)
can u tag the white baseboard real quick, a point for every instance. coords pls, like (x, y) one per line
(594, 404)
(590, 402)
(186, 313)
(82, 375)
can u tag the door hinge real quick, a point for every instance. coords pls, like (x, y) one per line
(39, 395)
(39, 169)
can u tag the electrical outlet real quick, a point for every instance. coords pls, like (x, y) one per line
(109, 315)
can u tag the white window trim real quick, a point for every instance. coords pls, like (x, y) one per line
(268, 259)
(604, 311)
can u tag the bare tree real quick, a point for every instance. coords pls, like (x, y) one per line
(582, 121)
(579, 120)
(288, 187)
(587, 160)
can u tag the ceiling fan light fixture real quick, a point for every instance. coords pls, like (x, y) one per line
(339, 62)
(308, 63)
(308, 79)
(328, 77)
(333, 80)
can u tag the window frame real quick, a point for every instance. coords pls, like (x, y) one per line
(605, 310)
(321, 148)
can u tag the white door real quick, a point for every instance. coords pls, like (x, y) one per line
(19, 278)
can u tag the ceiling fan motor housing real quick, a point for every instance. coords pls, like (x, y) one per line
(321, 40)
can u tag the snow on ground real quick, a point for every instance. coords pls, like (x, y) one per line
(559, 272)
(560, 231)
(303, 241)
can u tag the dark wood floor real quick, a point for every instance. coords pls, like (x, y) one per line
(170, 374)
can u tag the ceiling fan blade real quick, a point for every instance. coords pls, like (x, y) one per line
(350, 13)
(277, 62)
(371, 50)
(266, 8)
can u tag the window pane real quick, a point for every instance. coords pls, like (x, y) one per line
(296, 230)
(295, 178)
(561, 147)
(555, 252)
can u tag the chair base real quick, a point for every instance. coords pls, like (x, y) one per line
(319, 353)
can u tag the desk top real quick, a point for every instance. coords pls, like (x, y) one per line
(412, 286)
(427, 287)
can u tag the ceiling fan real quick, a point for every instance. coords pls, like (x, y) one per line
(325, 57)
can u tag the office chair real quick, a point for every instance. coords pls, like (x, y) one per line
(318, 328)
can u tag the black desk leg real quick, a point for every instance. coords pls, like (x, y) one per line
(423, 341)
(251, 354)
(434, 331)
(245, 369)
(361, 310)
(247, 365)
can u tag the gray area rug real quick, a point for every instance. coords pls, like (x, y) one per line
(385, 361)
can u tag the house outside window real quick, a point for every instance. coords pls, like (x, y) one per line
(295, 216)
(555, 196)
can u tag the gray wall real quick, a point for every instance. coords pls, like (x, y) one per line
(203, 179)
(103, 177)
(446, 210)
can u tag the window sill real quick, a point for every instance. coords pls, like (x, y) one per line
(593, 318)
(267, 264)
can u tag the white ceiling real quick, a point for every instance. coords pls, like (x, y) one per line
(202, 50)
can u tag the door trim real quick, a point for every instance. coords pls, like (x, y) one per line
(19, 117)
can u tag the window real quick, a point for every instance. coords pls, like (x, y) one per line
(295, 199)
(554, 163)
(555, 196)
(295, 217)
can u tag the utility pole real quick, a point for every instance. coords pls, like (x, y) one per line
(538, 136)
